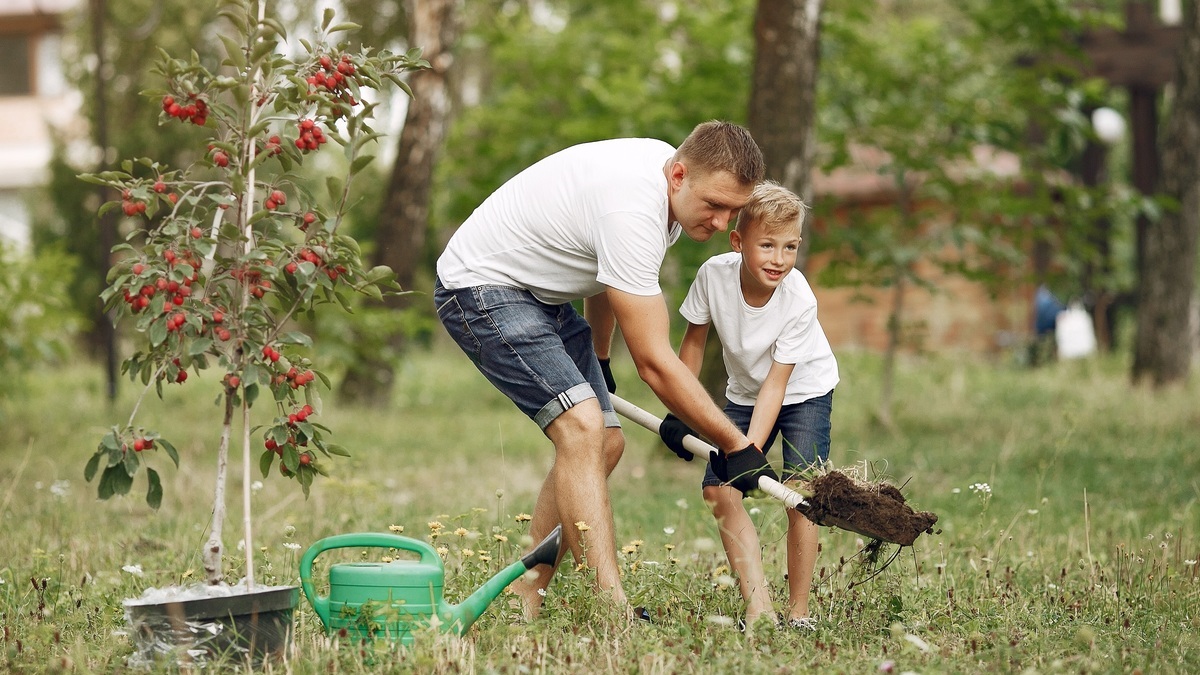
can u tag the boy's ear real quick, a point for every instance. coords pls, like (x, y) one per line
(735, 240)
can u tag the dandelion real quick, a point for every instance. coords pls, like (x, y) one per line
(443, 551)
(466, 552)
(499, 494)
(719, 620)
(435, 526)
(289, 531)
(668, 530)
(484, 558)
(135, 570)
(669, 547)
(629, 549)
(636, 543)
(725, 581)
(395, 529)
(523, 518)
(582, 526)
(462, 532)
(386, 559)
(60, 488)
(291, 545)
(500, 538)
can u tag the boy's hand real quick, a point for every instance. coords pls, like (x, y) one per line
(609, 382)
(672, 430)
(743, 468)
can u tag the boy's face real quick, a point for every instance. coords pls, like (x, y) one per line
(768, 255)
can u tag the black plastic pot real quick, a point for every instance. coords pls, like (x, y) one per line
(254, 626)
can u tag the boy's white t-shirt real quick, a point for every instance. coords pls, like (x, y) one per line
(752, 338)
(590, 216)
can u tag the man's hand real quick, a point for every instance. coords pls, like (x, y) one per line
(742, 468)
(672, 430)
(609, 382)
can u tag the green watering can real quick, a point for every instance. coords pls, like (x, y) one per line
(393, 600)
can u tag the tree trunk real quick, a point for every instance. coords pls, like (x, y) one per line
(404, 221)
(782, 113)
(1167, 264)
(784, 92)
(104, 323)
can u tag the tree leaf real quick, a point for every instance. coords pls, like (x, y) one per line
(170, 450)
(93, 465)
(199, 346)
(265, 461)
(154, 493)
(335, 449)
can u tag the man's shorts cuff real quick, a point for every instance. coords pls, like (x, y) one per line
(563, 402)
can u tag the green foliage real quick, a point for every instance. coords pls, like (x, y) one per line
(230, 254)
(558, 74)
(38, 319)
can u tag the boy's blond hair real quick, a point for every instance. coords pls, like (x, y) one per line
(774, 207)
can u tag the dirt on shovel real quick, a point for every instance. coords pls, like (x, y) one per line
(875, 510)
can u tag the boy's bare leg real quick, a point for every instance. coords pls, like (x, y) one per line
(576, 490)
(801, 561)
(742, 548)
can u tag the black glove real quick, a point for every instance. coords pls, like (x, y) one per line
(672, 430)
(609, 382)
(742, 468)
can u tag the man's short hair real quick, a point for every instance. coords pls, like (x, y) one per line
(723, 146)
(774, 206)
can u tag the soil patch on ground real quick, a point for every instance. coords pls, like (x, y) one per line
(875, 510)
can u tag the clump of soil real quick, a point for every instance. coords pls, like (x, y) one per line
(875, 510)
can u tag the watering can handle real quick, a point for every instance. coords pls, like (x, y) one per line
(360, 540)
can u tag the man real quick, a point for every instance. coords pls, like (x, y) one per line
(592, 221)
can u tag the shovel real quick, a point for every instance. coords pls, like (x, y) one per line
(790, 498)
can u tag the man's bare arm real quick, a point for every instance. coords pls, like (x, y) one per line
(645, 325)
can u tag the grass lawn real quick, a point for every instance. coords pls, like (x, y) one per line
(1069, 505)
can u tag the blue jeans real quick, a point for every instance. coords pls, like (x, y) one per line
(805, 428)
(538, 355)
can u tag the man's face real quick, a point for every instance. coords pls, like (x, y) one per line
(704, 203)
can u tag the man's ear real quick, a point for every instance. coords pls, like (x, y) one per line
(676, 174)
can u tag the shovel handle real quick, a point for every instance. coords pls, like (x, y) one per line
(699, 448)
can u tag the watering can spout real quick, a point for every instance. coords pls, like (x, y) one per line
(545, 553)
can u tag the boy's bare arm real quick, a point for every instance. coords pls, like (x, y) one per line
(599, 315)
(645, 326)
(691, 350)
(769, 402)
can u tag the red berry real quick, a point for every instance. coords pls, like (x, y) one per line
(305, 459)
(233, 381)
(271, 444)
(218, 316)
(139, 445)
(269, 205)
(279, 197)
(290, 268)
(160, 187)
(220, 159)
(197, 233)
(181, 376)
(138, 268)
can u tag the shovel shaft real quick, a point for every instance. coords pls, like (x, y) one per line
(699, 448)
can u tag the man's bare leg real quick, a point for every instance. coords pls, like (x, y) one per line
(579, 475)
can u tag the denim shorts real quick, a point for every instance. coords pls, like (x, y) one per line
(540, 356)
(805, 428)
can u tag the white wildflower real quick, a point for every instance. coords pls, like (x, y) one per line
(60, 488)
(668, 530)
(291, 545)
(135, 570)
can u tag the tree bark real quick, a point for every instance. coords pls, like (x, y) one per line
(784, 92)
(404, 221)
(1167, 264)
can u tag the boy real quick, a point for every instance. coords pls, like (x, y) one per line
(781, 378)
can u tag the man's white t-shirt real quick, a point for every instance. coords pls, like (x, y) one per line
(752, 338)
(590, 216)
